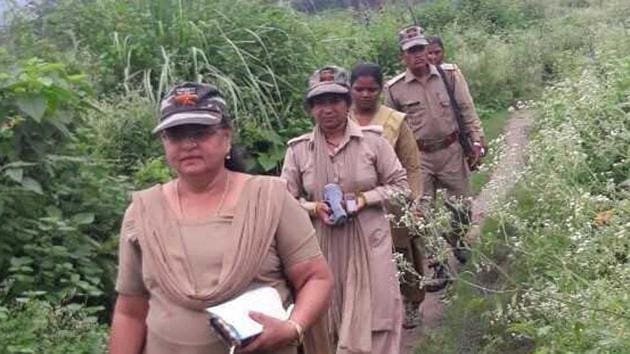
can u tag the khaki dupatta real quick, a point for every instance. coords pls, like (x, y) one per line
(389, 119)
(350, 313)
(253, 228)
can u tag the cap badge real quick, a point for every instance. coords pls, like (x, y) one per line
(326, 75)
(411, 32)
(186, 96)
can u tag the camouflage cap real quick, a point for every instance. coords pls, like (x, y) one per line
(329, 79)
(191, 103)
(411, 36)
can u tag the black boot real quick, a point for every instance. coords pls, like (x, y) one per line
(462, 251)
(439, 278)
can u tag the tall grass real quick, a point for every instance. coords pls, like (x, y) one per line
(260, 55)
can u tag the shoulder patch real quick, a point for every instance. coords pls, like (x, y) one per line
(394, 79)
(303, 137)
(372, 128)
(449, 66)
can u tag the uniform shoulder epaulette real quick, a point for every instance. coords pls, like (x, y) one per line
(395, 79)
(449, 66)
(377, 129)
(303, 137)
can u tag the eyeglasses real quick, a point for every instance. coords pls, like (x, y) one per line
(327, 98)
(195, 133)
(416, 49)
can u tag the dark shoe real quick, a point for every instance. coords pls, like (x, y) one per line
(439, 278)
(413, 317)
(462, 251)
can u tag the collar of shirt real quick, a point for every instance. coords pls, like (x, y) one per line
(352, 130)
(409, 76)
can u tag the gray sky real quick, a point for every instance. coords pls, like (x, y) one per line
(4, 5)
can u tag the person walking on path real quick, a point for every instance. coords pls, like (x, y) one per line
(365, 315)
(442, 116)
(208, 236)
(366, 81)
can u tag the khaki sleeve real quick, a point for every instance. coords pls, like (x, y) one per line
(129, 280)
(467, 106)
(409, 156)
(389, 99)
(392, 177)
(295, 236)
(290, 173)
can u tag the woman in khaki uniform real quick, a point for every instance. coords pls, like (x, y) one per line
(366, 82)
(366, 310)
(208, 236)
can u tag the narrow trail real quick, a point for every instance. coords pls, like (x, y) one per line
(501, 182)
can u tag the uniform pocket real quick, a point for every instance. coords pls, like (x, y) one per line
(366, 176)
(412, 106)
(444, 100)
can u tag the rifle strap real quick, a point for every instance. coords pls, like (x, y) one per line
(455, 107)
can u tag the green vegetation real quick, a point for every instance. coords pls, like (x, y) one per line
(493, 124)
(38, 327)
(79, 82)
(552, 266)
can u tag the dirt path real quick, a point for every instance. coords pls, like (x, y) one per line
(502, 180)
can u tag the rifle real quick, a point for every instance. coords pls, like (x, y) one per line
(461, 134)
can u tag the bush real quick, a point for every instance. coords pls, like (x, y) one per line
(39, 327)
(60, 209)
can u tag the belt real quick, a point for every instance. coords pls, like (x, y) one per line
(436, 145)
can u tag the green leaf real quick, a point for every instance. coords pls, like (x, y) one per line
(21, 261)
(543, 331)
(46, 81)
(53, 212)
(83, 218)
(76, 78)
(34, 106)
(268, 162)
(15, 174)
(32, 185)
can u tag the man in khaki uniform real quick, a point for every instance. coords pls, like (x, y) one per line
(421, 93)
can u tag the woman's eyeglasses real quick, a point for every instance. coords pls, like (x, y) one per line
(185, 132)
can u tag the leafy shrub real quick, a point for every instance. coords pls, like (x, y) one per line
(60, 209)
(38, 103)
(119, 131)
(39, 327)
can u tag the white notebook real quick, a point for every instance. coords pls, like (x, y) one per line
(231, 319)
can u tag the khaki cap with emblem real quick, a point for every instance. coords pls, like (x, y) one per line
(329, 79)
(411, 36)
(191, 103)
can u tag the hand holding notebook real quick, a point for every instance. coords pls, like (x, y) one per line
(232, 321)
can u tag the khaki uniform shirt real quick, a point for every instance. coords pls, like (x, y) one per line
(427, 105)
(378, 173)
(173, 328)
